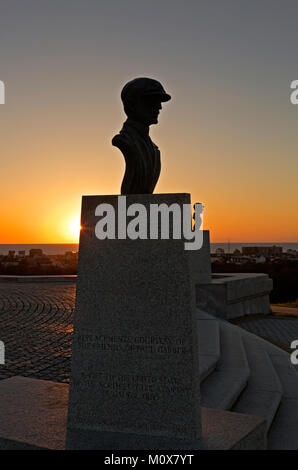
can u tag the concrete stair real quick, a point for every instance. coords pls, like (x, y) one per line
(222, 388)
(243, 373)
(263, 393)
(209, 347)
(283, 434)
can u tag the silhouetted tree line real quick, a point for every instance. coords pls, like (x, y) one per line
(284, 275)
(24, 270)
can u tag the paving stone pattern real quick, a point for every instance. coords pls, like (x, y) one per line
(36, 325)
(279, 330)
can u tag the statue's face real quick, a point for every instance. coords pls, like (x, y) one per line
(147, 109)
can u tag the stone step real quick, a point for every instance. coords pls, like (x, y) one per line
(34, 416)
(223, 430)
(263, 393)
(283, 434)
(202, 315)
(222, 388)
(209, 346)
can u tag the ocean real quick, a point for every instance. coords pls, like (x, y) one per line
(61, 248)
(48, 249)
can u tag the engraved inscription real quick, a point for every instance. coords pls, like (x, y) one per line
(146, 344)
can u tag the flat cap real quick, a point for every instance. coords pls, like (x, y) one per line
(143, 87)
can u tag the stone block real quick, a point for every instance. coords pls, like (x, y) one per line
(231, 295)
(135, 372)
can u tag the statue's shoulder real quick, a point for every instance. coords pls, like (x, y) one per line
(121, 138)
(125, 139)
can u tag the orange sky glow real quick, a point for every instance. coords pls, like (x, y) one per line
(228, 136)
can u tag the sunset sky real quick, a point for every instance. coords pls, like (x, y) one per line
(229, 136)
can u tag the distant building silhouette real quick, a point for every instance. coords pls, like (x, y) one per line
(35, 252)
(266, 251)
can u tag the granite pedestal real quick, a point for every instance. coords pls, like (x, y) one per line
(135, 373)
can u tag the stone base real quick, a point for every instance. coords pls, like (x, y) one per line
(232, 295)
(34, 412)
(134, 350)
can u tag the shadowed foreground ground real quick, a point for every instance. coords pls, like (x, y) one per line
(36, 325)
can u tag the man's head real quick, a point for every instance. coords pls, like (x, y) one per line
(142, 98)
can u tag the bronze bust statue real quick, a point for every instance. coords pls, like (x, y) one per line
(142, 98)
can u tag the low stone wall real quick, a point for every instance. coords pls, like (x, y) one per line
(234, 295)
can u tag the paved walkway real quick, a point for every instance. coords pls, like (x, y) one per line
(36, 325)
(279, 330)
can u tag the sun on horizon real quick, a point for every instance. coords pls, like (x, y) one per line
(74, 228)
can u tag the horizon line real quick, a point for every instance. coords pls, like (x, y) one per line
(77, 242)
